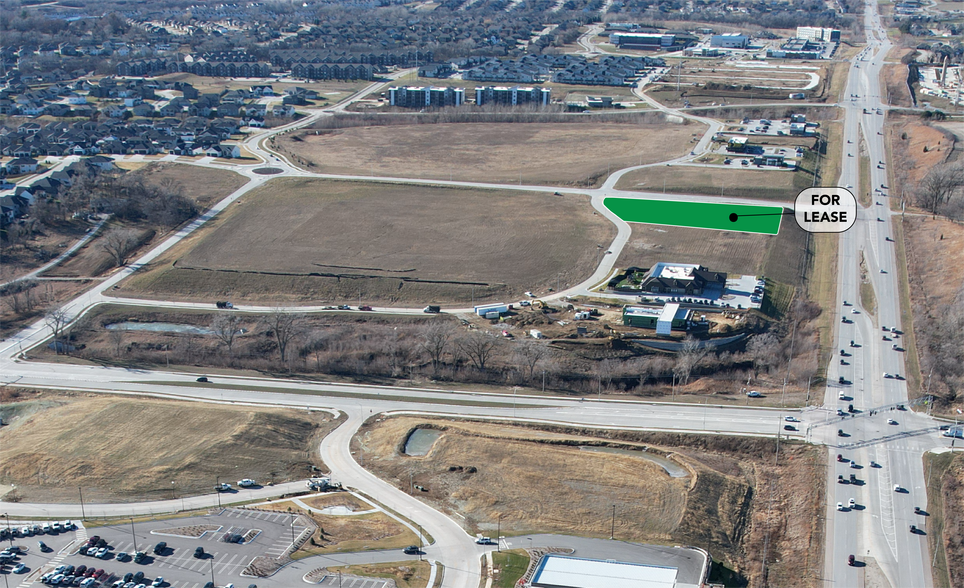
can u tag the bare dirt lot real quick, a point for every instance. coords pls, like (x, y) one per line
(746, 183)
(203, 185)
(121, 449)
(484, 471)
(569, 154)
(320, 241)
(780, 257)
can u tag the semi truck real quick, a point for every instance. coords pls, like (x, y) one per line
(486, 309)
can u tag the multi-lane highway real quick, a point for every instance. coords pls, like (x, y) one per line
(877, 528)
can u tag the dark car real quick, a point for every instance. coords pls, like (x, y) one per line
(44, 548)
(199, 552)
(139, 556)
(209, 585)
(411, 550)
(138, 576)
(840, 433)
(913, 528)
(93, 540)
(80, 570)
(203, 379)
(128, 577)
(160, 547)
(344, 307)
(789, 428)
(851, 560)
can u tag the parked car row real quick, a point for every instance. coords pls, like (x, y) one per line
(37, 529)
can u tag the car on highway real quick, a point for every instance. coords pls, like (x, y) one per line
(365, 307)
(222, 487)
(854, 465)
(852, 503)
(247, 483)
(344, 307)
(791, 419)
(897, 488)
(411, 550)
(891, 422)
(851, 561)
(889, 376)
(789, 428)
(839, 506)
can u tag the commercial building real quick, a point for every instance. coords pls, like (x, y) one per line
(736, 144)
(652, 41)
(425, 97)
(559, 571)
(818, 34)
(670, 316)
(680, 278)
(730, 41)
(514, 96)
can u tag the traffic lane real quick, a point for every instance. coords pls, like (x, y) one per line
(694, 418)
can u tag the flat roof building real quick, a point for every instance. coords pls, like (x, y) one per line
(670, 316)
(730, 41)
(559, 571)
(425, 97)
(818, 34)
(512, 96)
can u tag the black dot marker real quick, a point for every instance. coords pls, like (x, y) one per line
(733, 217)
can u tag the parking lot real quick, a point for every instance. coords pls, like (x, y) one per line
(266, 534)
(352, 582)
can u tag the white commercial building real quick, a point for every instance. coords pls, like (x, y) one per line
(558, 571)
(730, 41)
(818, 34)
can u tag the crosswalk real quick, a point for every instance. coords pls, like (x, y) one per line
(352, 582)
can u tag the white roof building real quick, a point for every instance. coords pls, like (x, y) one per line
(558, 571)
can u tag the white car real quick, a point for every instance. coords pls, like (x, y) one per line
(753, 394)
(886, 375)
(101, 553)
(854, 311)
(247, 483)
(839, 506)
(791, 419)
(897, 488)
(852, 503)
(891, 422)
(19, 568)
(160, 580)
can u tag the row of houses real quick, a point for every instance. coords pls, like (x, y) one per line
(192, 136)
(15, 201)
(610, 70)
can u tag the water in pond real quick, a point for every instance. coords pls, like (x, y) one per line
(159, 328)
(671, 467)
(420, 441)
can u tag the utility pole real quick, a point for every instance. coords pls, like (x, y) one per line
(498, 532)
(134, 538)
(612, 529)
(83, 515)
(217, 488)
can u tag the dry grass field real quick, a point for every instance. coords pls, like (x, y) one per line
(945, 494)
(745, 183)
(780, 257)
(125, 449)
(336, 533)
(569, 154)
(407, 574)
(314, 240)
(715, 507)
(203, 185)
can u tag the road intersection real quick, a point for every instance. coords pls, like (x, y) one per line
(878, 529)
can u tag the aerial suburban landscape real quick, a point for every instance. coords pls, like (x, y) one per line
(482, 293)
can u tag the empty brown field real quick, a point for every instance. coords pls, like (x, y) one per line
(780, 257)
(203, 185)
(745, 183)
(314, 240)
(568, 154)
(715, 506)
(123, 449)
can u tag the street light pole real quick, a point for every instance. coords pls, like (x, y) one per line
(133, 536)
(217, 488)
(83, 515)
(498, 535)
(612, 532)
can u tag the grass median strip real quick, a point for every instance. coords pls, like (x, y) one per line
(361, 395)
(700, 215)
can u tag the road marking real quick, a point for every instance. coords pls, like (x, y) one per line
(885, 487)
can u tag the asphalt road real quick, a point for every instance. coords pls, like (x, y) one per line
(879, 526)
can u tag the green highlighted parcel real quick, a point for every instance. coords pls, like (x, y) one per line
(701, 215)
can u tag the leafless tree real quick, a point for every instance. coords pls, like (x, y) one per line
(939, 186)
(118, 243)
(764, 350)
(226, 327)
(688, 357)
(400, 351)
(56, 320)
(19, 297)
(116, 338)
(284, 326)
(529, 353)
(479, 346)
(436, 339)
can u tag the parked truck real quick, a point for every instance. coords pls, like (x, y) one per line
(223, 304)
(485, 309)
